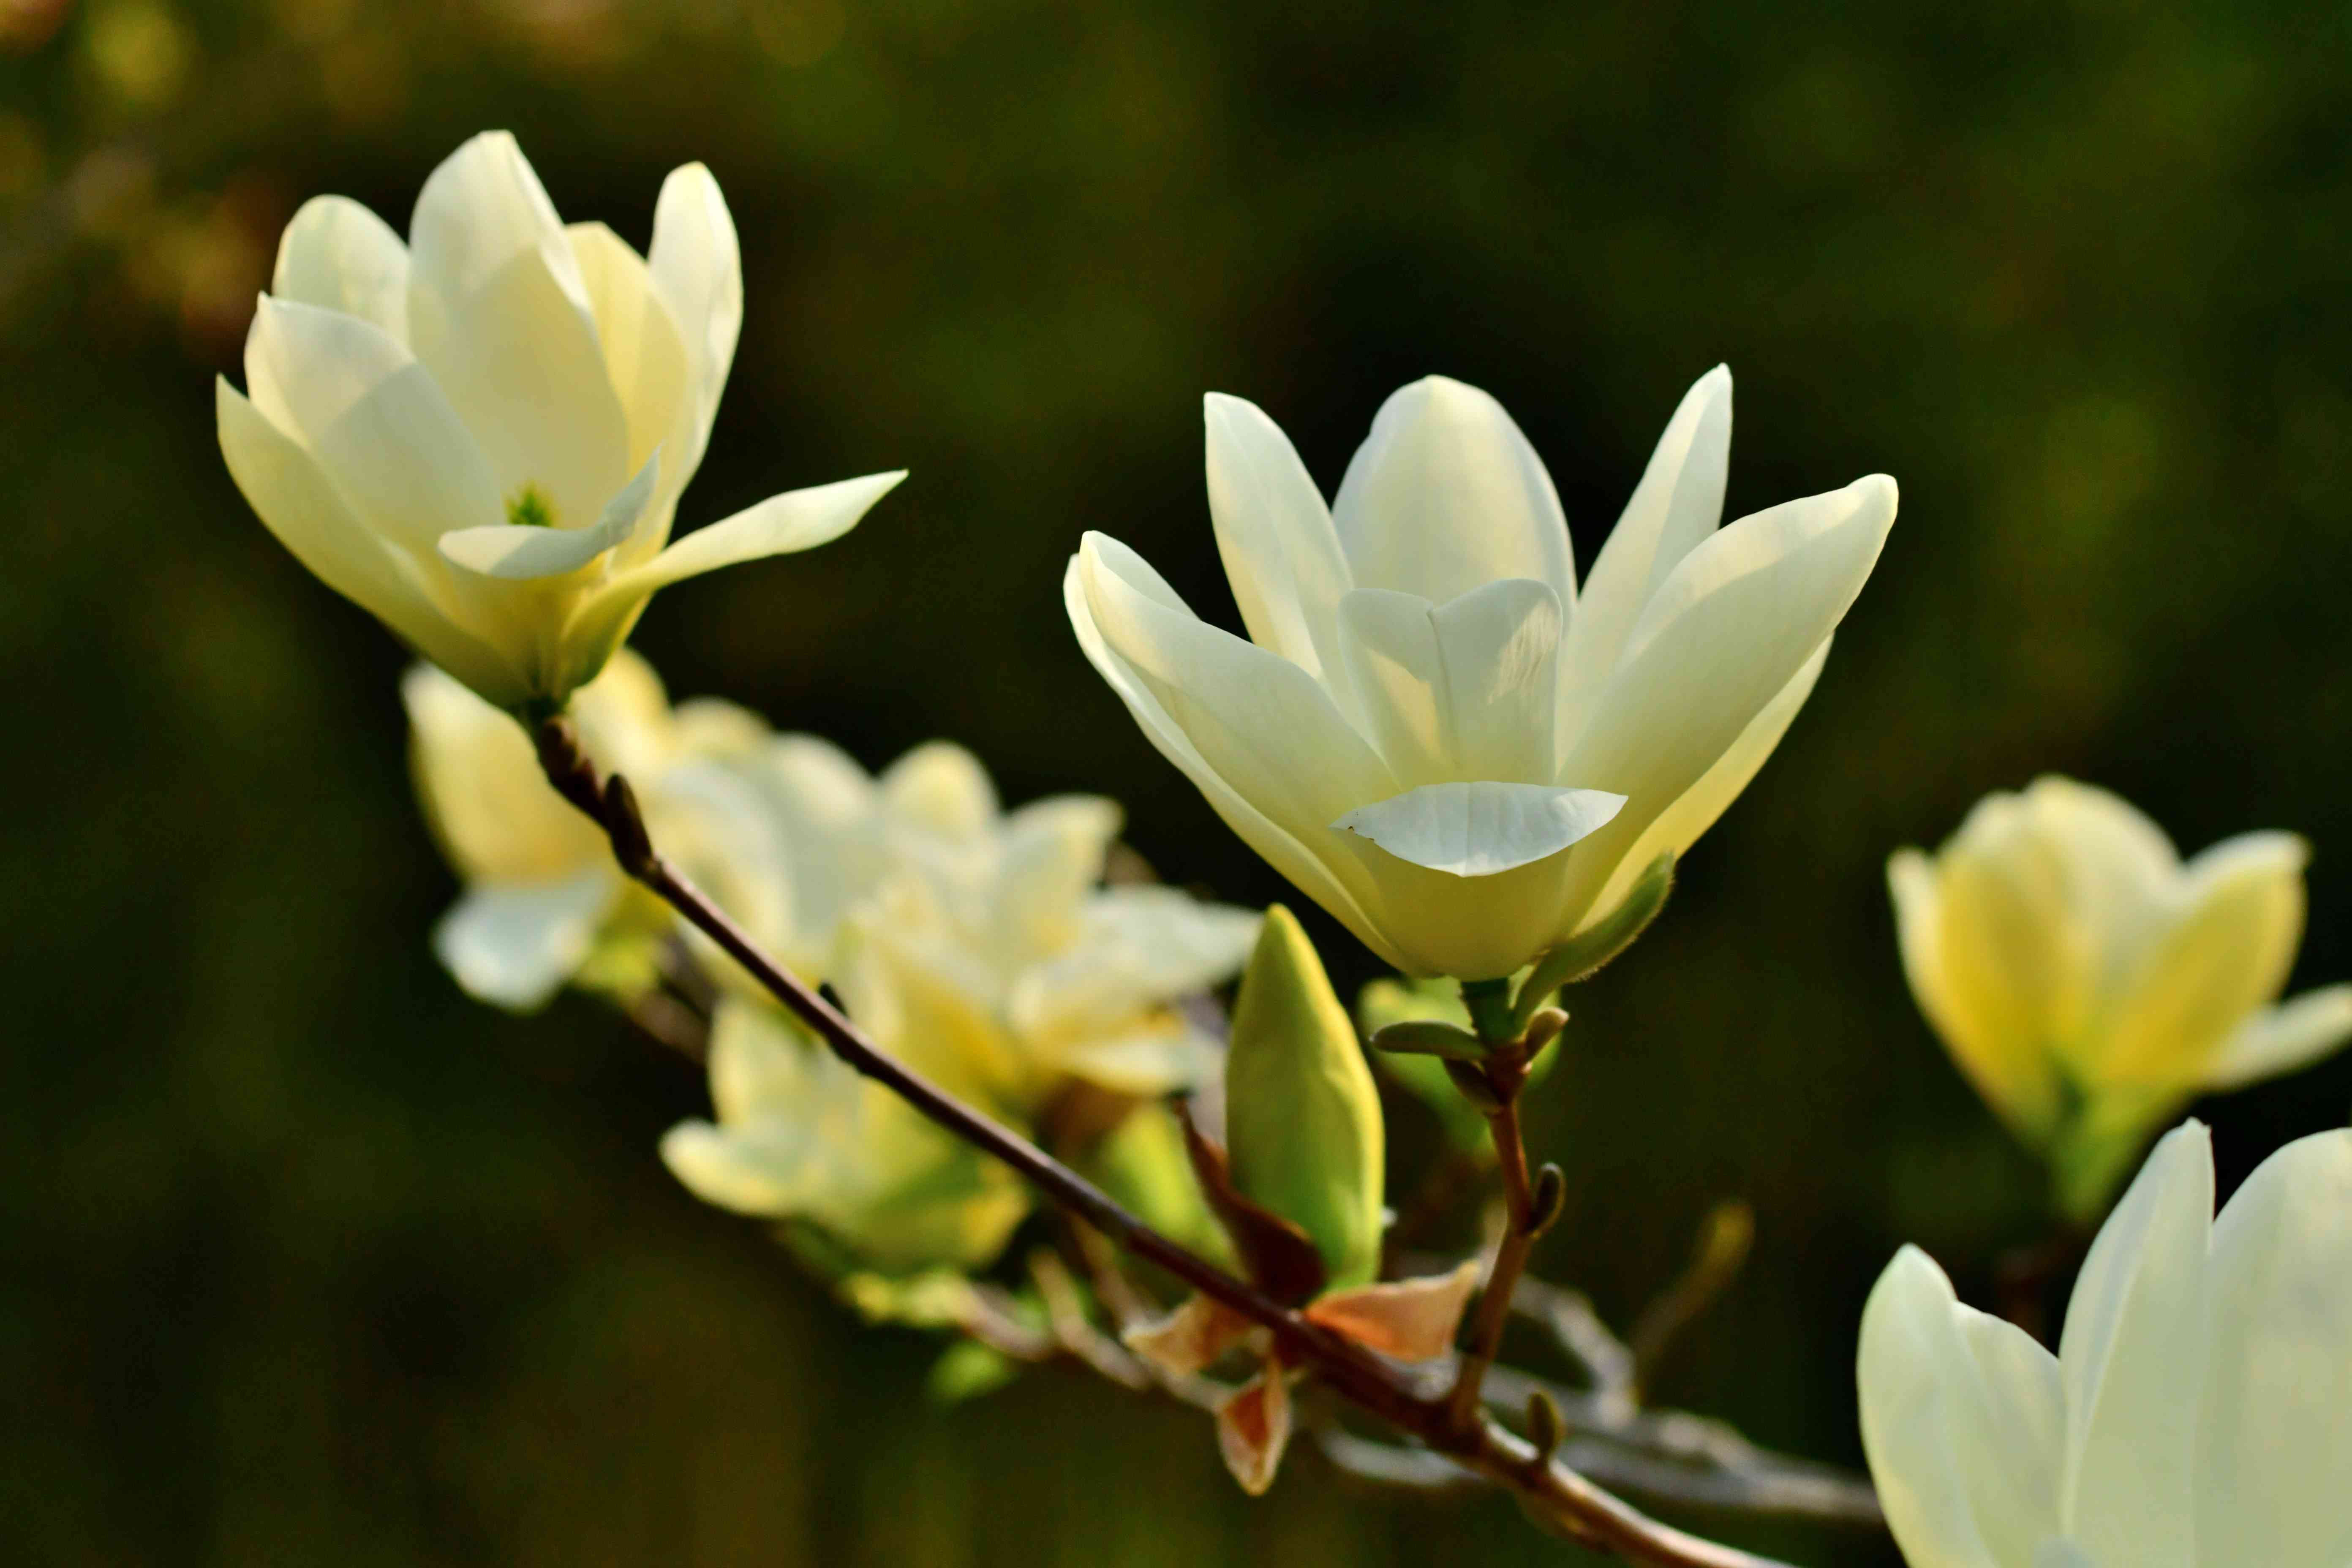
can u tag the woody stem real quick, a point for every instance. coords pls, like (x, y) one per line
(1558, 1497)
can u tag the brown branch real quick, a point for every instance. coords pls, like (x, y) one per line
(1556, 1497)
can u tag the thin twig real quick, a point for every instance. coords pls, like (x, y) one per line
(1557, 1498)
(1717, 1257)
(1519, 1232)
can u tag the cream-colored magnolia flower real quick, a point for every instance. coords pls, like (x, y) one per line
(1430, 730)
(799, 1135)
(481, 435)
(2198, 1413)
(977, 946)
(2091, 985)
(542, 887)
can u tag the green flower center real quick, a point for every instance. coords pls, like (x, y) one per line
(530, 508)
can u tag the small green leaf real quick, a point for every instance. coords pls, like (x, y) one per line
(1576, 958)
(1428, 1038)
(967, 1370)
(1302, 1116)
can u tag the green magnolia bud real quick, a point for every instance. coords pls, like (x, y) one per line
(1302, 1117)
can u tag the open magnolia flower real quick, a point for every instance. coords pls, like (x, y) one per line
(988, 933)
(1298, 1185)
(1430, 731)
(2091, 985)
(2195, 1416)
(541, 889)
(481, 435)
(801, 1135)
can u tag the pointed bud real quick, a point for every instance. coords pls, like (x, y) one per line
(1302, 1117)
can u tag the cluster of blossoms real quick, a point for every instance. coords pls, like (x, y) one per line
(1483, 768)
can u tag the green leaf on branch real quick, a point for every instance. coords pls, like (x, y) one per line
(1582, 954)
(1428, 1038)
(1303, 1121)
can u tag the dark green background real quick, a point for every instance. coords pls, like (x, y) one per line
(305, 1258)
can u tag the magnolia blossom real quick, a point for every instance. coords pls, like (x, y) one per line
(1430, 731)
(481, 435)
(542, 891)
(2090, 983)
(2198, 1413)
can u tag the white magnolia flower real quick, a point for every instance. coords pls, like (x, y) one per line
(2198, 1413)
(481, 435)
(987, 936)
(799, 1135)
(1430, 731)
(542, 887)
(2091, 985)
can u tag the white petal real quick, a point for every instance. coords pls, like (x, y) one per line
(480, 781)
(941, 788)
(1050, 855)
(2119, 866)
(2283, 1039)
(1281, 553)
(2131, 1359)
(2276, 1427)
(515, 944)
(697, 266)
(2057, 1552)
(1446, 495)
(1478, 829)
(1673, 510)
(1731, 627)
(499, 312)
(1252, 720)
(374, 419)
(2226, 954)
(339, 256)
(1962, 1421)
(1682, 825)
(645, 355)
(293, 496)
(516, 553)
(1459, 691)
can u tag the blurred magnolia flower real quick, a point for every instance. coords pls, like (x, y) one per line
(985, 935)
(542, 887)
(480, 437)
(2091, 985)
(800, 1135)
(2195, 1416)
(1429, 733)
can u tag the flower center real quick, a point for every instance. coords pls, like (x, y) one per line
(530, 508)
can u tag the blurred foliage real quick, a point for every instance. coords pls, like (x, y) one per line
(304, 1258)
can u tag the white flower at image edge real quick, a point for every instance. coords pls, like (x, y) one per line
(2198, 1413)
(1430, 729)
(481, 435)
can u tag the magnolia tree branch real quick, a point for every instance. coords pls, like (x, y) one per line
(1556, 1497)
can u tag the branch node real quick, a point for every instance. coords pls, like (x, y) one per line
(625, 824)
(1550, 1198)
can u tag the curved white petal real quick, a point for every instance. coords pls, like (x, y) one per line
(1276, 844)
(1446, 495)
(1962, 1420)
(296, 500)
(1731, 627)
(2282, 1039)
(1682, 825)
(1462, 691)
(697, 266)
(1281, 552)
(499, 312)
(794, 520)
(2227, 952)
(339, 256)
(515, 944)
(2131, 1359)
(516, 553)
(373, 418)
(480, 781)
(2275, 1430)
(646, 357)
(1479, 829)
(2118, 867)
(1675, 508)
(941, 788)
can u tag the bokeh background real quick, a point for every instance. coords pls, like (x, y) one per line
(305, 1258)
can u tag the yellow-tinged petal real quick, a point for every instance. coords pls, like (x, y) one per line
(339, 256)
